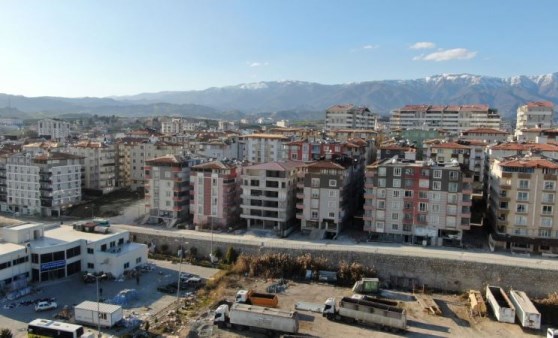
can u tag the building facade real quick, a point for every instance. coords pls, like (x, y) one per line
(538, 115)
(417, 202)
(454, 119)
(262, 148)
(53, 129)
(523, 207)
(349, 116)
(215, 194)
(488, 135)
(268, 196)
(43, 184)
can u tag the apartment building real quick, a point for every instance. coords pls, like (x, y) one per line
(534, 115)
(454, 119)
(327, 196)
(53, 129)
(262, 148)
(167, 189)
(215, 194)
(268, 196)
(174, 126)
(132, 156)
(308, 150)
(418, 202)
(44, 184)
(499, 151)
(99, 163)
(343, 135)
(523, 205)
(488, 135)
(400, 151)
(349, 116)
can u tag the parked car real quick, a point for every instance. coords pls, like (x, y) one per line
(44, 306)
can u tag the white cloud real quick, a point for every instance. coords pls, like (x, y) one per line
(370, 46)
(257, 64)
(446, 55)
(423, 45)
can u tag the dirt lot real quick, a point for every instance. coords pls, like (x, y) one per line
(454, 321)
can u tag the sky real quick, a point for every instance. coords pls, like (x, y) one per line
(116, 47)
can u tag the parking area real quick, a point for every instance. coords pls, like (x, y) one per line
(72, 291)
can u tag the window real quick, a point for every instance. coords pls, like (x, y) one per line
(547, 210)
(332, 193)
(380, 214)
(315, 193)
(407, 227)
(126, 265)
(435, 208)
(546, 221)
(436, 185)
(381, 193)
(395, 216)
(452, 209)
(409, 171)
(315, 182)
(547, 197)
(425, 172)
(421, 218)
(396, 183)
(138, 260)
(408, 183)
(523, 184)
(396, 193)
(452, 187)
(454, 175)
(381, 204)
(423, 207)
(520, 220)
(434, 219)
(394, 227)
(408, 193)
(331, 215)
(522, 196)
(437, 174)
(522, 208)
(90, 266)
(503, 205)
(408, 205)
(396, 171)
(314, 214)
(332, 183)
(424, 183)
(90, 251)
(423, 194)
(544, 233)
(382, 171)
(435, 196)
(381, 182)
(548, 185)
(395, 205)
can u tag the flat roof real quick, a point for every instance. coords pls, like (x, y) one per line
(6, 248)
(24, 226)
(65, 234)
(103, 307)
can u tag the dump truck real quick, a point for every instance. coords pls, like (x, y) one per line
(93, 313)
(256, 298)
(528, 315)
(242, 316)
(366, 312)
(503, 309)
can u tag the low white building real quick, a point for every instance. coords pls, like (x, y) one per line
(54, 129)
(38, 252)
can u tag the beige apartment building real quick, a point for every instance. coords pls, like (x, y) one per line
(268, 196)
(215, 194)
(523, 206)
(534, 115)
(99, 164)
(349, 116)
(262, 148)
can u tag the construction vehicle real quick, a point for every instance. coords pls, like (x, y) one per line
(529, 317)
(503, 309)
(242, 316)
(256, 298)
(366, 312)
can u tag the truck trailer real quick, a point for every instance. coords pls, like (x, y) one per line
(257, 298)
(367, 312)
(503, 309)
(528, 315)
(107, 314)
(243, 316)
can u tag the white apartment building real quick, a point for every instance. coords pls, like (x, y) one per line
(99, 164)
(268, 196)
(167, 189)
(348, 116)
(454, 119)
(539, 115)
(262, 148)
(178, 125)
(44, 184)
(54, 129)
(523, 207)
(37, 252)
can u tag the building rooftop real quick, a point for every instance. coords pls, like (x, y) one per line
(103, 307)
(6, 247)
(450, 145)
(530, 163)
(484, 131)
(324, 165)
(57, 156)
(269, 136)
(278, 166)
(213, 165)
(540, 104)
(65, 234)
(167, 159)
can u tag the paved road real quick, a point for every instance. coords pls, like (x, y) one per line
(380, 248)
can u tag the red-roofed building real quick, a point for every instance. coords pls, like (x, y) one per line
(523, 208)
(215, 194)
(489, 135)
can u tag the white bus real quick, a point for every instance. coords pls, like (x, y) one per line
(40, 328)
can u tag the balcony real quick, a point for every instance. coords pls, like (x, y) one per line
(505, 186)
(300, 206)
(300, 185)
(369, 185)
(300, 195)
(507, 175)
(368, 196)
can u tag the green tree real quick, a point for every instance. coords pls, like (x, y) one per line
(217, 253)
(6, 333)
(146, 326)
(230, 255)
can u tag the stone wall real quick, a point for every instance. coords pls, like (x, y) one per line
(399, 270)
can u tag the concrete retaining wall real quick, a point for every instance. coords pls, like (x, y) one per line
(438, 273)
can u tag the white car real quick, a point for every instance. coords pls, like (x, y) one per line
(43, 306)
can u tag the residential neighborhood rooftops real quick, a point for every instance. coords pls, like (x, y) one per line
(530, 163)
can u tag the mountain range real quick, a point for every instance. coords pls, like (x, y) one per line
(298, 100)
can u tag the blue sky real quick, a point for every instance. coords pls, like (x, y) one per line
(102, 48)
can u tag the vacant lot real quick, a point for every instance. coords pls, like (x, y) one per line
(454, 321)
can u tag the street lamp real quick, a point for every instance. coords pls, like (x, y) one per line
(98, 307)
(181, 254)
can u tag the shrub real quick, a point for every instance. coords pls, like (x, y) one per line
(6, 333)
(231, 256)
